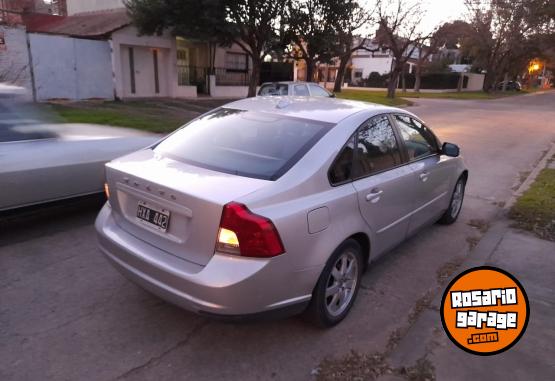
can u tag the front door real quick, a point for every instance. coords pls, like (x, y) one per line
(383, 183)
(431, 171)
(144, 71)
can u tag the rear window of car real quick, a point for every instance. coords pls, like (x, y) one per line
(273, 89)
(245, 143)
(17, 133)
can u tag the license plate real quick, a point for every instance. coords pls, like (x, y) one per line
(153, 217)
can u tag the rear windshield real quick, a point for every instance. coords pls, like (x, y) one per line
(273, 89)
(244, 143)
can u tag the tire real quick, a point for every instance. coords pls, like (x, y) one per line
(327, 311)
(455, 204)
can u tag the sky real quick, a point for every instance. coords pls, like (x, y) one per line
(437, 11)
(440, 11)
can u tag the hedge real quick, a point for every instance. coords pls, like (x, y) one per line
(430, 81)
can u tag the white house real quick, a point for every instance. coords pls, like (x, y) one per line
(95, 52)
(364, 62)
(378, 60)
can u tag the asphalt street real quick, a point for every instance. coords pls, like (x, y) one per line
(66, 314)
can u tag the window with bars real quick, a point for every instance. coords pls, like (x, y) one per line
(236, 61)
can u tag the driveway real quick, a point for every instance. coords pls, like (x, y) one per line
(66, 314)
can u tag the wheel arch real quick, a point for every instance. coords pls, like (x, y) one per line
(464, 175)
(364, 242)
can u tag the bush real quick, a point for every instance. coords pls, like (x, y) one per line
(439, 81)
(376, 79)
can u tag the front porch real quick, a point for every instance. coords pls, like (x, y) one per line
(166, 66)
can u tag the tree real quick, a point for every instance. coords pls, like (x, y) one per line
(398, 31)
(251, 24)
(309, 32)
(501, 33)
(449, 36)
(348, 18)
(155, 16)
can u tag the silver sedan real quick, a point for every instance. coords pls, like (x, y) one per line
(42, 163)
(276, 205)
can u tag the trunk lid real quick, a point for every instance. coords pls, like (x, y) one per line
(194, 198)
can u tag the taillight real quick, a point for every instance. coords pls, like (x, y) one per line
(247, 234)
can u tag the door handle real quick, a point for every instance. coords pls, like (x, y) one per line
(374, 195)
(423, 177)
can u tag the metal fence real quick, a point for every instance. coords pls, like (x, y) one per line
(196, 76)
(229, 77)
(191, 76)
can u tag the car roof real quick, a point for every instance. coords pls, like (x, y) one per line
(289, 83)
(330, 110)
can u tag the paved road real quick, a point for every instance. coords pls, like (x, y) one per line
(65, 314)
(531, 261)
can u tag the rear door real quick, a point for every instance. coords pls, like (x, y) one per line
(383, 183)
(431, 171)
(300, 90)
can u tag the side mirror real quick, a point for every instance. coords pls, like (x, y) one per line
(332, 95)
(450, 149)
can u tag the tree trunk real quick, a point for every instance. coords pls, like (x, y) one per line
(392, 85)
(505, 80)
(255, 77)
(309, 70)
(341, 73)
(404, 80)
(489, 80)
(417, 78)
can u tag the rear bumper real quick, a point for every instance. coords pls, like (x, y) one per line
(228, 286)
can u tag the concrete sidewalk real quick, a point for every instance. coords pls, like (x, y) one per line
(532, 261)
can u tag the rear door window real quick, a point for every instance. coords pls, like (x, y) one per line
(244, 143)
(273, 89)
(300, 90)
(376, 148)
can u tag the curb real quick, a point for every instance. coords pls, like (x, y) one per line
(531, 177)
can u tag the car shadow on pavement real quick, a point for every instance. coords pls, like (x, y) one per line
(26, 223)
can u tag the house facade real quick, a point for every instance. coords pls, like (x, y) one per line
(95, 52)
(154, 66)
(373, 59)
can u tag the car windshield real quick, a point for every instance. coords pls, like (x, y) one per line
(245, 143)
(273, 89)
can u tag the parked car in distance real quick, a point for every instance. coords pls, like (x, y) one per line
(276, 204)
(510, 86)
(44, 163)
(299, 89)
